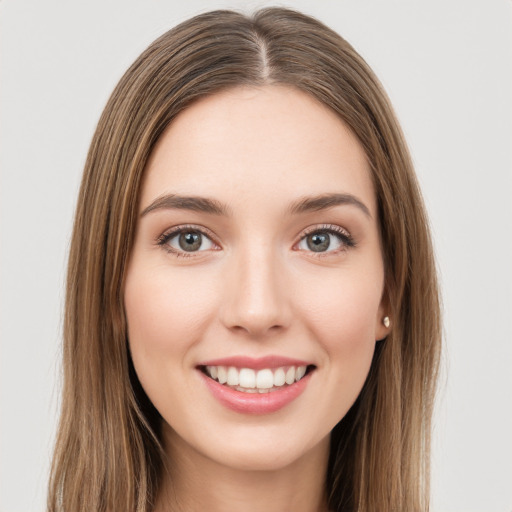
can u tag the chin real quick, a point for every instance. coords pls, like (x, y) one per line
(250, 448)
(258, 458)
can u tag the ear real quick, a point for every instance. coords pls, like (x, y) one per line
(383, 321)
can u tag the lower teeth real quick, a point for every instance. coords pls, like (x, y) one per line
(256, 390)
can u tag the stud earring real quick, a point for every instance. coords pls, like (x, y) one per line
(386, 321)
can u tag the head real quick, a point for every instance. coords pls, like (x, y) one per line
(107, 416)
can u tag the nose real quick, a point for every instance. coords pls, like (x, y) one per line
(256, 300)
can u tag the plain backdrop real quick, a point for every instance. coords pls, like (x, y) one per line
(446, 65)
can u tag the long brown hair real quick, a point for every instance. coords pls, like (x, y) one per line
(108, 455)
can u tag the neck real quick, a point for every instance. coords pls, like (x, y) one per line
(194, 483)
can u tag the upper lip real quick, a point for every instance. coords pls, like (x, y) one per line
(259, 363)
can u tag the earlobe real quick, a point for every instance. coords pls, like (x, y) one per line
(383, 321)
(383, 327)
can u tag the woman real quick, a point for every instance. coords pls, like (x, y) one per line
(252, 313)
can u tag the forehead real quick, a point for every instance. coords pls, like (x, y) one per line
(250, 143)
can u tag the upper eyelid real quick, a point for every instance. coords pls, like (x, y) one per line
(332, 228)
(187, 227)
(163, 240)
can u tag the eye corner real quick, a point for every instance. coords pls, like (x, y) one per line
(323, 245)
(170, 240)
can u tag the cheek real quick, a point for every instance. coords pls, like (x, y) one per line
(342, 318)
(166, 313)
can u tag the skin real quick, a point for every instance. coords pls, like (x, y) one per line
(256, 289)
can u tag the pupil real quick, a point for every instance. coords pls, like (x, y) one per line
(190, 241)
(318, 242)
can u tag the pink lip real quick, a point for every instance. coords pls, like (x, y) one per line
(255, 403)
(259, 363)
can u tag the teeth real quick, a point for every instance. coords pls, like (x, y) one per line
(222, 375)
(262, 381)
(247, 378)
(233, 379)
(212, 370)
(279, 377)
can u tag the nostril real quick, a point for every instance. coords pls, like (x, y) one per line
(257, 328)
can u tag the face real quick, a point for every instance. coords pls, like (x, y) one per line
(253, 293)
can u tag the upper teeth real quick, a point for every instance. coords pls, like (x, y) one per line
(252, 379)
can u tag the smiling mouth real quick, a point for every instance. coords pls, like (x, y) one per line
(266, 380)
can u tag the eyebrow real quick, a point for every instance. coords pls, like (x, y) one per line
(197, 204)
(214, 207)
(325, 201)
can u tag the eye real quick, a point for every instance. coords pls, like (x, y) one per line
(327, 239)
(186, 240)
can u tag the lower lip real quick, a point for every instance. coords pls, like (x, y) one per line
(256, 403)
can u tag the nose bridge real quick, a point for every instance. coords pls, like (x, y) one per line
(256, 300)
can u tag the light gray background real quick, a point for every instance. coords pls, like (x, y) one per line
(446, 65)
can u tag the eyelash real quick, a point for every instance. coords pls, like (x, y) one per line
(163, 239)
(343, 236)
